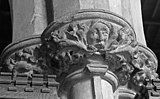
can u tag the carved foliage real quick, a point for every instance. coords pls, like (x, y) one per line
(93, 35)
(146, 62)
(28, 60)
(75, 44)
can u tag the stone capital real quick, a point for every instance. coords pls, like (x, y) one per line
(98, 39)
(25, 56)
(85, 46)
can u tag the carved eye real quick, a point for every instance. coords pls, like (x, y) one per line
(93, 34)
(105, 34)
(76, 56)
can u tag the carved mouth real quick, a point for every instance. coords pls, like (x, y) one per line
(99, 46)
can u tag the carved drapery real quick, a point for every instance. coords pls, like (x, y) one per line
(97, 41)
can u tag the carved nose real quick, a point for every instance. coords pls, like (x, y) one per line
(99, 40)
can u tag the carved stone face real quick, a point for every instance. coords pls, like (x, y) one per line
(98, 35)
(102, 30)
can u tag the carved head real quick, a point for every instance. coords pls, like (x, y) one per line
(98, 34)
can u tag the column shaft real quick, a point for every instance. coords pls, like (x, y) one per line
(29, 18)
(95, 88)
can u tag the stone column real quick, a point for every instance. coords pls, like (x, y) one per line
(93, 46)
(29, 18)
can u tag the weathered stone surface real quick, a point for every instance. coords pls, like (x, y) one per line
(82, 46)
(92, 52)
(100, 41)
(25, 56)
(29, 18)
